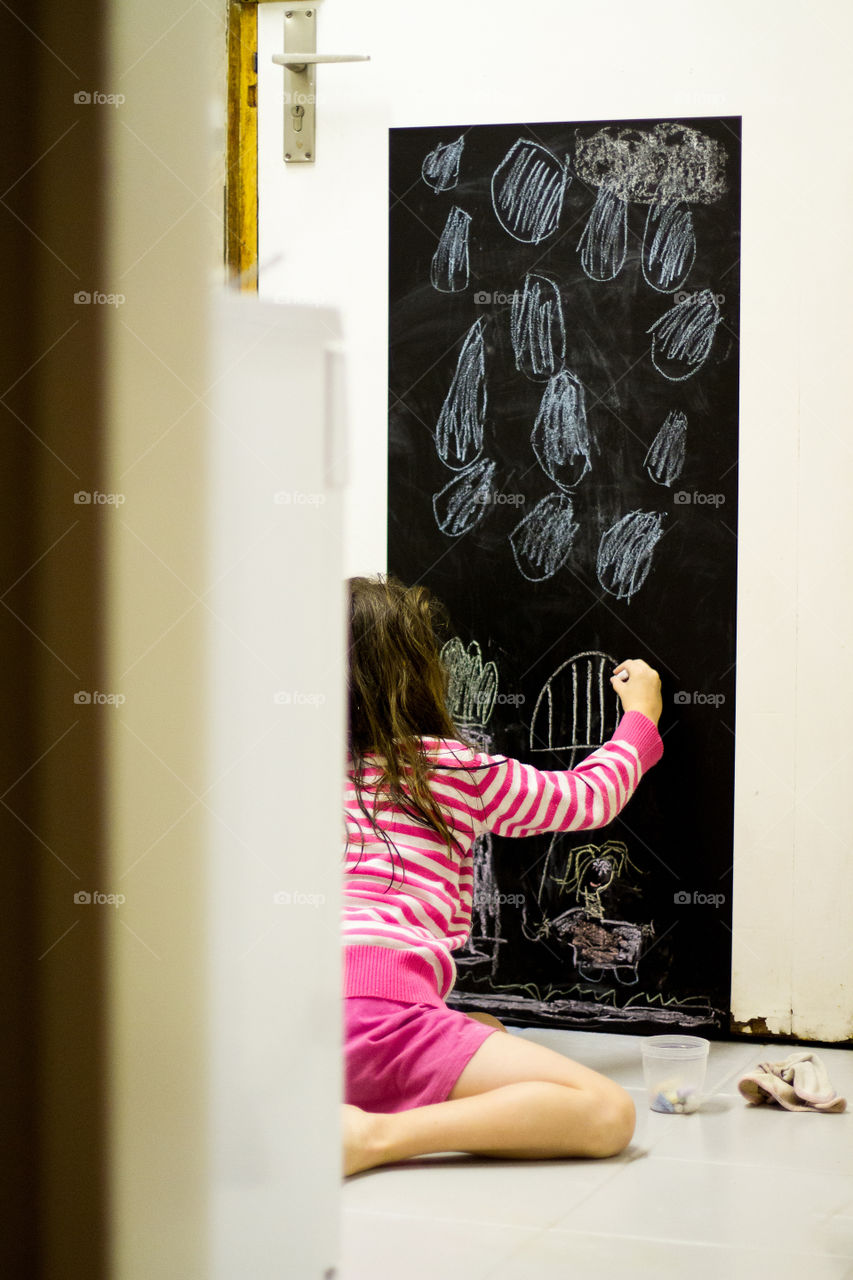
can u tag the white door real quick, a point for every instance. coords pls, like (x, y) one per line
(276, 759)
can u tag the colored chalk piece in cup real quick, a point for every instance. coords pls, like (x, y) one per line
(674, 1070)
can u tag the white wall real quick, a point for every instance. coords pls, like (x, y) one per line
(275, 651)
(783, 67)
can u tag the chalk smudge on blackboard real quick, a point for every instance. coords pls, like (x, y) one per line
(577, 709)
(472, 685)
(604, 240)
(541, 542)
(449, 270)
(484, 901)
(560, 436)
(527, 191)
(669, 246)
(459, 430)
(665, 458)
(625, 552)
(463, 502)
(537, 328)
(682, 336)
(669, 162)
(440, 169)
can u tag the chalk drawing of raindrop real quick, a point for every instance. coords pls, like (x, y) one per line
(682, 336)
(560, 436)
(669, 246)
(625, 553)
(605, 237)
(459, 430)
(449, 269)
(537, 328)
(440, 169)
(665, 458)
(542, 541)
(462, 503)
(527, 191)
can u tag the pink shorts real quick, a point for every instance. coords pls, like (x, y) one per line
(400, 1055)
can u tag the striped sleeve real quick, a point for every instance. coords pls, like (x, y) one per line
(520, 800)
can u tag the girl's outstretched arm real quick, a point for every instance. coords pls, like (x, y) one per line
(520, 800)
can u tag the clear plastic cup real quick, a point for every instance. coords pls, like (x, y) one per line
(674, 1068)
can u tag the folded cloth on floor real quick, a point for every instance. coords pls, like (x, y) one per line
(800, 1083)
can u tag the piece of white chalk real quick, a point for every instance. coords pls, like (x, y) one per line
(623, 675)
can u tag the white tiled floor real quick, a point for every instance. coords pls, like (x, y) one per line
(730, 1192)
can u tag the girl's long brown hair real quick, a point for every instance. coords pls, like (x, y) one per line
(397, 691)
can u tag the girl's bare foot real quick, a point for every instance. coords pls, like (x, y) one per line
(362, 1149)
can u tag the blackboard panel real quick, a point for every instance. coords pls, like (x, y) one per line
(564, 318)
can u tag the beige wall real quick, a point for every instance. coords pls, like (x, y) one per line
(164, 236)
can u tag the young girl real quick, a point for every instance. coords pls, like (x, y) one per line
(421, 1077)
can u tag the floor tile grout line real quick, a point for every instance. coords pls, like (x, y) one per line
(533, 1233)
(727, 1246)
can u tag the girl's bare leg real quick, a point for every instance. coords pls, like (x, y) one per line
(488, 1019)
(514, 1099)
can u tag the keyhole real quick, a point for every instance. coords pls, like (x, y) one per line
(298, 113)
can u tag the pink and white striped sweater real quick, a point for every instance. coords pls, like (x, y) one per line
(402, 921)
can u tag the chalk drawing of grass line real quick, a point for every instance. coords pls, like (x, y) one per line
(560, 436)
(537, 328)
(462, 503)
(527, 191)
(625, 552)
(449, 268)
(665, 459)
(604, 240)
(440, 169)
(459, 430)
(682, 336)
(542, 541)
(669, 246)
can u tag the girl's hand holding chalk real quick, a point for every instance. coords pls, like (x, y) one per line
(638, 688)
